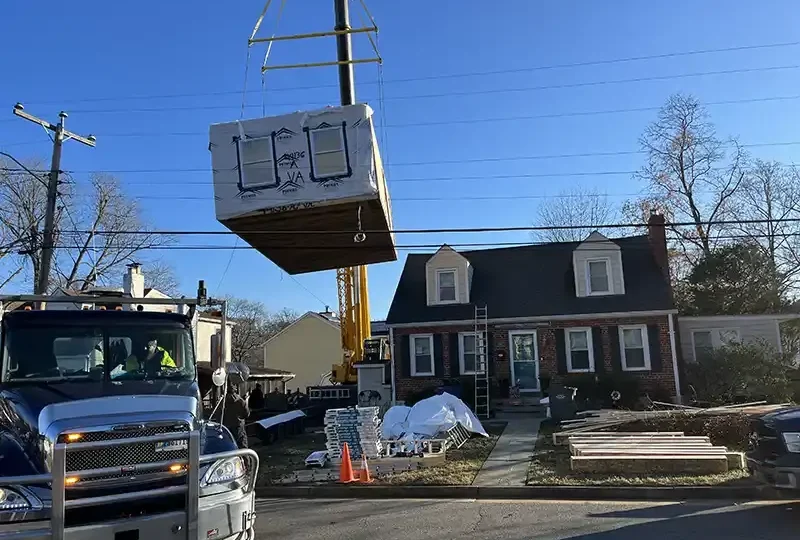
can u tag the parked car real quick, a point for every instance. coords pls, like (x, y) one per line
(774, 454)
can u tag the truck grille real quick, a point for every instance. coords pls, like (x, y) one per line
(125, 455)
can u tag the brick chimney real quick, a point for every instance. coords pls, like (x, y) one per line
(133, 281)
(657, 233)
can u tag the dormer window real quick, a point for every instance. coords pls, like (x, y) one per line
(598, 280)
(446, 286)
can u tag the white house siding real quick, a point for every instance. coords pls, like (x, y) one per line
(597, 246)
(446, 259)
(750, 327)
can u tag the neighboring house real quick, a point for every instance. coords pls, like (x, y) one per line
(700, 335)
(595, 306)
(309, 347)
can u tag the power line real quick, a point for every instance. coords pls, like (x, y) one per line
(446, 162)
(477, 121)
(428, 246)
(451, 94)
(677, 54)
(530, 228)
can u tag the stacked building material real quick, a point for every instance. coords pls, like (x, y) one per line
(359, 427)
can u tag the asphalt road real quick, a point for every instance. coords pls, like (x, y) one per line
(512, 520)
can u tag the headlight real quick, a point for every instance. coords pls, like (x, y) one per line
(224, 470)
(12, 500)
(792, 441)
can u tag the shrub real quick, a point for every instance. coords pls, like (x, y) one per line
(731, 430)
(419, 395)
(587, 394)
(742, 372)
(626, 384)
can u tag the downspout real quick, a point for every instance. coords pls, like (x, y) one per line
(391, 360)
(678, 396)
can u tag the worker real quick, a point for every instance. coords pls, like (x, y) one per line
(236, 414)
(154, 357)
(256, 400)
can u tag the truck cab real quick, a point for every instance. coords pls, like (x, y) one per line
(102, 431)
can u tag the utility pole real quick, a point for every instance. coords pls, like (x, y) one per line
(344, 52)
(60, 134)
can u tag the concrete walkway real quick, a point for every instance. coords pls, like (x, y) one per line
(507, 465)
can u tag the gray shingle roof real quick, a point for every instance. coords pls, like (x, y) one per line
(531, 281)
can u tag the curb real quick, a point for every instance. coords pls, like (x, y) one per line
(599, 493)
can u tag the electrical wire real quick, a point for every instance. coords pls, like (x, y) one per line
(451, 94)
(601, 62)
(527, 228)
(489, 159)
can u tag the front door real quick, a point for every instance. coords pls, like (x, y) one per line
(524, 360)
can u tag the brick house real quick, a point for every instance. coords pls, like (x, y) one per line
(598, 306)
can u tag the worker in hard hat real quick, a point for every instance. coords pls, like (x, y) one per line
(153, 358)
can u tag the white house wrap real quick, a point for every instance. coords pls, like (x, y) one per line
(279, 181)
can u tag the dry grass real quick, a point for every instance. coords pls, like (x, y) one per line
(282, 458)
(550, 466)
(285, 456)
(460, 468)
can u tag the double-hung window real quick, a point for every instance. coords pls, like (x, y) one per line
(580, 355)
(256, 163)
(635, 348)
(421, 355)
(704, 342)
(469, 353)
(446, 286)
(598, 276)
(328, 152)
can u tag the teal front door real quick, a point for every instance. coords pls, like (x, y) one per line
(524, 360)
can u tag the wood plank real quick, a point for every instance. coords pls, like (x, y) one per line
(648, 464)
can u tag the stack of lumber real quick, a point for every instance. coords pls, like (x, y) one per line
(647, 453)
(359, 427)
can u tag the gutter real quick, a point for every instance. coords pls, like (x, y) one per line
(540, 319)
(678, 396)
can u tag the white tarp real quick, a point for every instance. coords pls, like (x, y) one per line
(294, 161)
(429, 417)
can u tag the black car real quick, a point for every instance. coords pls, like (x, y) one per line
(774, 453)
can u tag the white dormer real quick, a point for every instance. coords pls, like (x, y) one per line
(448, 277)
(597, 262)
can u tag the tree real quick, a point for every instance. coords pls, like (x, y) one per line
(99, 229)
(768, 198)
(730, 281)
(254, 326)
(692, 175)
(576, 206)
(161, 276)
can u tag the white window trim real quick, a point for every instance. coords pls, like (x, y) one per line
(645, 344)
(412, 353)
(461, 365)
(342, 149)
(610, 278)
(716, 341)
(589, 344)
(439, 272)
(242, 164)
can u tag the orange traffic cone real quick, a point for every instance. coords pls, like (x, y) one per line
(346, 469)
(364, 476)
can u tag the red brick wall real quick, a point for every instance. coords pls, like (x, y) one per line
(663, 379)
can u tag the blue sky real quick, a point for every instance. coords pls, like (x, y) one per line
(91, 57)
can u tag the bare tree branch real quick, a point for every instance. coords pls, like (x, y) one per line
(574, 206)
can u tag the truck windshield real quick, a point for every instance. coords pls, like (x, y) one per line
(117, 353)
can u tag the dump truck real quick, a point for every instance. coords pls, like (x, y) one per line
(102, 433)
(773, 456)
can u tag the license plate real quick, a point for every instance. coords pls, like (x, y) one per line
(172, 446)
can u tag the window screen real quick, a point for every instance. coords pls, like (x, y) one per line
(256, 162)
(328, 152)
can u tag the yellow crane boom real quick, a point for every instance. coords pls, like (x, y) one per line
(354, 321)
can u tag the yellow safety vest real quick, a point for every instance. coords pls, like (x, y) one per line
(132, 362)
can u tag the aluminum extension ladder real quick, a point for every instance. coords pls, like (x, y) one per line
(481, 362)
